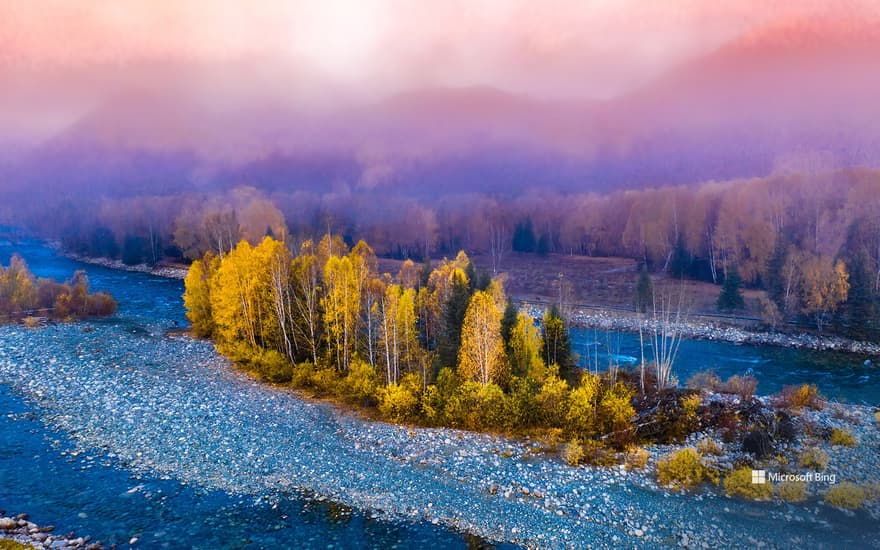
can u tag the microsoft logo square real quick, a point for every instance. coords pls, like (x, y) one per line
(759, 477)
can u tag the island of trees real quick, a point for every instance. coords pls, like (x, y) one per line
(23, 297)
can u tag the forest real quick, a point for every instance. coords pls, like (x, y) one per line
(438, 346)
(809, 238)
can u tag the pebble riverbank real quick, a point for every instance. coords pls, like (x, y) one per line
(19, 529)
(170, 406)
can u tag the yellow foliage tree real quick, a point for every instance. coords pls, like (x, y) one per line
(825, 285)
(526, 347)
(342, 304)
(197, 295)
(481, 356)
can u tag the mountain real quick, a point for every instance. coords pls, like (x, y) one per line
(787, 91)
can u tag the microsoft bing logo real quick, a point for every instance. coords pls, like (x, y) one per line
(759, 477)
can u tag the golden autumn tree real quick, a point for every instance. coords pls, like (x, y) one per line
(306, 307)
(341, 305)
(197, 295)
(481, 356)
(241, 296)
(526, 349)
(824, 286)
(398, 329)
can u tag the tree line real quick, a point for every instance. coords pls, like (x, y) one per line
(434, 345)
(764, 229)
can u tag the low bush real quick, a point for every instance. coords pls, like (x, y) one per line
(846, 495)
(842, 437)
(361, 383)
(302, 375)
(743, 386)
(684, 470)
(792, 491)
(796, 398)
(553, 402)
(582, 403)
(400, 402)
(31, 322)
(709, 447)
(706, 381)
(814, 459)
(616, 413)
(273, 366)
(739, 484)
(596, 454)
(573, 452)
(325, 381)
(636, 458)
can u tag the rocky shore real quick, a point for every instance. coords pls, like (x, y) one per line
(719, 331)
(167, 271)
(170, 406)
(19, 529)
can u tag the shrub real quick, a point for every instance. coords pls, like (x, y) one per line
(524, 402)
(573, 452)
(841, 437)
(582, 402)
(709, 447)
(31, 322)
(814, 459)
(792, 491)
(684, 470)
(686, 420)
(273, 366)
(596, 454)
(493, 408)
(325, 381)
(302, 375)
(743, 386)
(400, 402)
(846, 495)
(739, 484)
(550, 440)
(616, 413)
(360, 384)
(636, 458)
(553, 401)
(798, 397)
(706, 381)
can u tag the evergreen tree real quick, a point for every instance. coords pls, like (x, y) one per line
(133, 250)
(453, 318)
(508, 319)
(680, 263)
(524, 237)
(731, 297)
(644, 296)
(543, 247)
(859, 312)
(774, 281)
(557, 344)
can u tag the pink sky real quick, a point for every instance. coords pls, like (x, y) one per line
(62, 59)
(558, 48)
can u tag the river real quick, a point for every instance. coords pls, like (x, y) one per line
(113, 429)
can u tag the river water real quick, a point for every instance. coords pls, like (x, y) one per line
(112, 429)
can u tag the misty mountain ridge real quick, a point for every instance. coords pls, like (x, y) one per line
(787, 90)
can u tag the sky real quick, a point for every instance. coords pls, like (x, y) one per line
(552, 48)
(59, 59)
